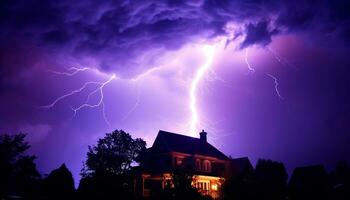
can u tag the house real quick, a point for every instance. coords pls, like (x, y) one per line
(171, 152)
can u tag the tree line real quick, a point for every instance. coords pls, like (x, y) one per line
(107, 173)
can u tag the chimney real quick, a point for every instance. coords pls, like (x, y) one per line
(203, 136)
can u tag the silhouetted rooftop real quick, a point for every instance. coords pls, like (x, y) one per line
(168, 142)
(241, 164)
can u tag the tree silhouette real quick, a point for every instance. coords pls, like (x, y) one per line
(18, 173)
(271, 178)
(340, 181)
(59, 184)
(267, 181)
(310, 182)
(105, 173)
(113, 154)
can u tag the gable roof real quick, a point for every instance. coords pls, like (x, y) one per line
(242, 164)
(168, 142)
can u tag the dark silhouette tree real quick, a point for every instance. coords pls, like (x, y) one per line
(106, 172)
(113, 154)
(268, 181)
(59, 184)
(237, 186)
(310, 182)
(340, 181)
(18, 173)
(271, 179)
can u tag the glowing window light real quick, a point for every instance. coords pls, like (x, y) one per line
(214, 186)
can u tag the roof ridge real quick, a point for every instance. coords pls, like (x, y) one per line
(184, 143)
(178, 134)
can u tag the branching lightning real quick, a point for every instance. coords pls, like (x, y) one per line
(71, 71)
(209, 53)
(99, 88)
(276, 86)
(100, 102)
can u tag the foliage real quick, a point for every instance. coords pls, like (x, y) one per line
(113, 154)
(106, 187)
(17, 170)
(59, 184)
(267, 181)
(271, 178)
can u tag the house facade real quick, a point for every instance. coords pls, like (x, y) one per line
(172, 152)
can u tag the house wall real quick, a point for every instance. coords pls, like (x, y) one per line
(209, 172)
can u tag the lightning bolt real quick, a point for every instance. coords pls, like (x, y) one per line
(250, 68)
(276, 86)
(100, 102)
(136, 104)
(99, 88)
(71, 71)
(209, 54)
(281, 59)
(137, 80)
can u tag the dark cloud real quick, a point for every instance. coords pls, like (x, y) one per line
(296, 19)
(56, 37)
(127, 36)
(258, 33)
(116, 33)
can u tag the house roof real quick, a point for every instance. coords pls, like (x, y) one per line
(241, 164)
(168, 142)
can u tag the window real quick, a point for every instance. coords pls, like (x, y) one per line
(203, 185)
(207, 166)
(179, 161)
(198, 164)
(214, 187)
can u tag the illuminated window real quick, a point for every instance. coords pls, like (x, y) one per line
(214, 187)
(203, 185)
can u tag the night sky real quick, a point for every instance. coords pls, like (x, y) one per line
(265, 78)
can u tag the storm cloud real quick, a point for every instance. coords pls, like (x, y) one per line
(116, 34)
(128, 37)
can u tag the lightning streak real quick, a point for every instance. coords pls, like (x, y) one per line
(99, 88)
(276, 86)
(209, 54)
(71, 71)
(136, 104)
(269, 75)
(251, 69)
(281, 59)
(100, 102)
(70, 94)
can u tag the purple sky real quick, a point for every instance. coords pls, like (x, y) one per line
(156, 49)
